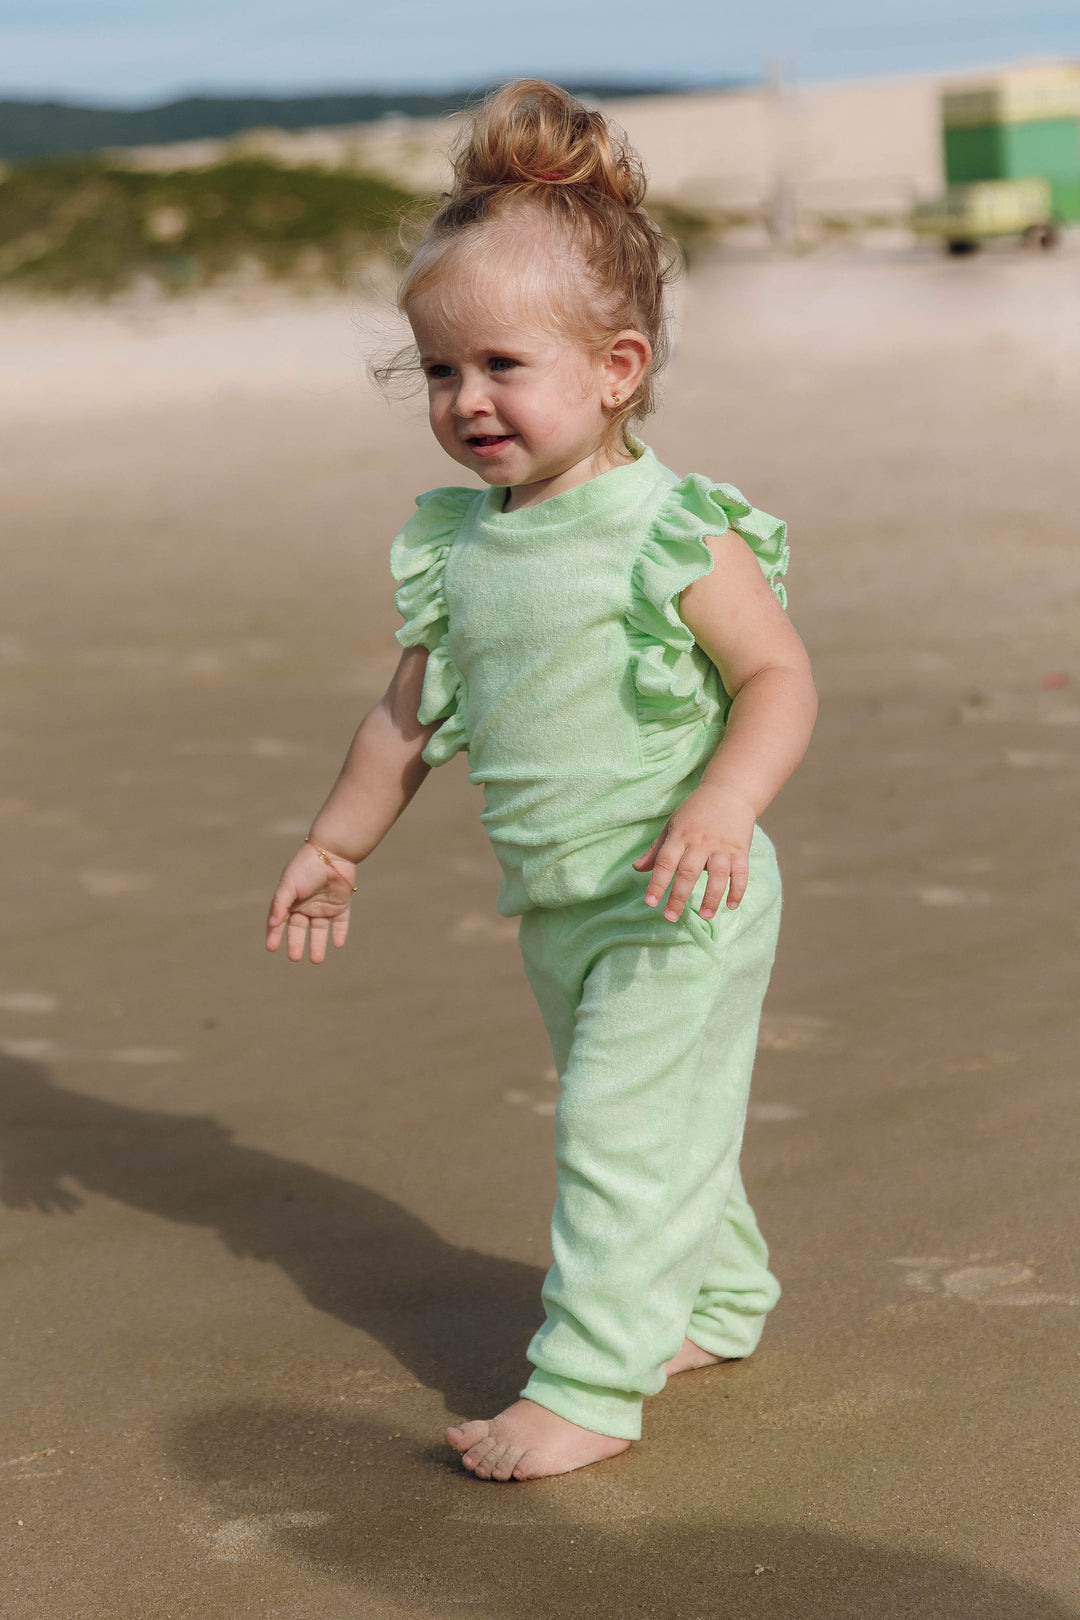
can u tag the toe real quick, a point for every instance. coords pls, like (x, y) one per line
(492, 1457)
(463, 1435)
(522, 1468)
(485, 1464)
(502, 1466)
(477, 1455)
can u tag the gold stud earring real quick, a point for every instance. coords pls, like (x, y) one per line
(616, 399)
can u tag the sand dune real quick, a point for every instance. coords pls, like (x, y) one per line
(855, 147)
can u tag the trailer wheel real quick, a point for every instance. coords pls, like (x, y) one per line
(1041, 236)
(961, 244)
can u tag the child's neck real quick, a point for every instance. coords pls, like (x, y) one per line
(581, 472)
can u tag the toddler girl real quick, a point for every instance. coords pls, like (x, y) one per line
(608, 642)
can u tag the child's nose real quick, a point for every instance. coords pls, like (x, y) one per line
(472, 398)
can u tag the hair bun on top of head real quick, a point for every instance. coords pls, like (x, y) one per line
(534, 133)
(532, 147)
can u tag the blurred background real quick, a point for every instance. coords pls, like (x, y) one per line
(265, 1227)
(182, 153)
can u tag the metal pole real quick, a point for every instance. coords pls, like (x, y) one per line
(783, 212)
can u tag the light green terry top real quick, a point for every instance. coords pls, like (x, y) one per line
(558, 659)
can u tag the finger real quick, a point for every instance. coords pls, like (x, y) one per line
(296, 935)
(714, 889)
(275, 921)
(740, 877)
(340, 929)
(687, 875)
(663, 871)
(318, 934)
(644, 862)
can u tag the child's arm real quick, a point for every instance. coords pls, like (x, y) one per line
(735, 616)
(382, 771)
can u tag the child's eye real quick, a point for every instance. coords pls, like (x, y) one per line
(502, 362)
(440, 371)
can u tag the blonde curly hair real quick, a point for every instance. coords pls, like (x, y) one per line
(534, 167)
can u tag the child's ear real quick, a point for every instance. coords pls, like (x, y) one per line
(624, 363)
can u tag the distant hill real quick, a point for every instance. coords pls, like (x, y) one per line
(76, 224)
(85, 224)
(35, 129)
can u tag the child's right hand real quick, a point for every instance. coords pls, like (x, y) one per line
(311, 897)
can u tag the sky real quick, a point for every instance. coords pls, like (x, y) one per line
(137, 52)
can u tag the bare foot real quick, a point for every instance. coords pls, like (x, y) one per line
(691, 1355)
(529, 1442)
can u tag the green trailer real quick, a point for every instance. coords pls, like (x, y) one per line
(1012, 159)
(971, 214)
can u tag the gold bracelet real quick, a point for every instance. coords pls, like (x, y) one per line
(327, 860)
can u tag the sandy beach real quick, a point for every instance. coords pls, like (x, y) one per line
(266, 1227)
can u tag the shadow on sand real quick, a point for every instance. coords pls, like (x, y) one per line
(457, 1319)
(405, 1526)
(398, 1519)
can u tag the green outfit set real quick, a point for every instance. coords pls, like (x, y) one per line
(557, 658)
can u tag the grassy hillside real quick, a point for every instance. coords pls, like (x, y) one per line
(81, 225)
(33, 129)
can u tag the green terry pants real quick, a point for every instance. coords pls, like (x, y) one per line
(653, 1025)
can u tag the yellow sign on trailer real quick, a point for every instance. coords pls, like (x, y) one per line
(1026, 95)
(968, 214)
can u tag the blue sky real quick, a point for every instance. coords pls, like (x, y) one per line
(137, 51)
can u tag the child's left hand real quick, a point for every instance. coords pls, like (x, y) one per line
(711, 828)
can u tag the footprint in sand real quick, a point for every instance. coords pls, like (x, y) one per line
(979, 1284)
(538, 1099)
(273, 748)
(249, 1540)
(843, 1406)
(104, 885)
(940, 894)
(144, 1054)
(34, 1050)
(928, 894)
(27, 1001)
(774, 1113)
(791, 1032)
(483, 928)
(1035, 759)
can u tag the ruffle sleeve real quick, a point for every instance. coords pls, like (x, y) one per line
(674, 679)
(417, 561)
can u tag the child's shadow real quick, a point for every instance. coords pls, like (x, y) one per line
(457, 1319)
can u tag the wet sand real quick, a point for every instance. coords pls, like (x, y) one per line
(265, 1227)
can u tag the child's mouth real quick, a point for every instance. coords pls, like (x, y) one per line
(489, 444)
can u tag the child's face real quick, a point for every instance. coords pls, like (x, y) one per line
(512, 402)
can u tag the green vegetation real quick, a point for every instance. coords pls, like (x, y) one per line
(33, 129)
(692, 229)
(85, 225)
